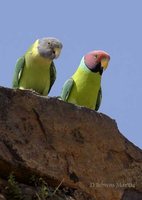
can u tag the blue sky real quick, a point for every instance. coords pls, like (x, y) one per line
(82, 26)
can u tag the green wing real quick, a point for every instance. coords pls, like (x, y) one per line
(99, 99)
(18, 71)
(52, 75)
(67, 89)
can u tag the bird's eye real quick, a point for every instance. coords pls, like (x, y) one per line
(48, 42)
(96, 56)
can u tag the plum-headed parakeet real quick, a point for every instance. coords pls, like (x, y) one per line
(35, 70)
(84, 87)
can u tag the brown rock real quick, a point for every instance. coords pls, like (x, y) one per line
(2, 197)
(63, 142)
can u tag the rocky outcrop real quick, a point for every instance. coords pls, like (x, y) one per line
(76, 148)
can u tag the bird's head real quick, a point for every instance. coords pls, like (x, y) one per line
(97, 61)
(49, 48)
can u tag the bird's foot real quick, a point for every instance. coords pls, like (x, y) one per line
(58, 97)
(31, 90)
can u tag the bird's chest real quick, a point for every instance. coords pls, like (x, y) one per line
(86, 89)
(36, 75)
(39, 73)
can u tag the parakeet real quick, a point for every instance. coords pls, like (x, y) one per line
(84, 87)
(35, 70)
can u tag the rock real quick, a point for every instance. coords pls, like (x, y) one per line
(2, 197)
(73, 146)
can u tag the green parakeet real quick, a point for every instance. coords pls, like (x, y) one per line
(35, 70)
(84, 87)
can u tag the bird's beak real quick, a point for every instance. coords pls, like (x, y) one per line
(104, 63)
(57, 52)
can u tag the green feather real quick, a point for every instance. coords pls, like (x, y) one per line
(99, 99)
(18, 71)
(67, 89)
(52, 75)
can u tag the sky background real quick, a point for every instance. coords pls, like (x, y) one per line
(82, 26)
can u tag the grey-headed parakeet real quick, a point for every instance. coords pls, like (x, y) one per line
(35, 70)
